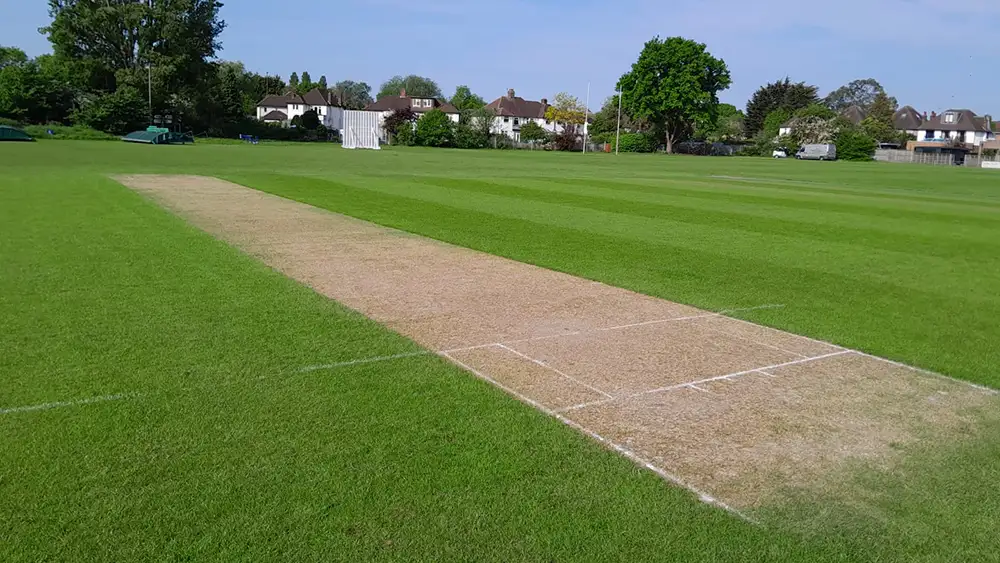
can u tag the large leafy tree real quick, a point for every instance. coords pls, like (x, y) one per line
(674, 85)
(112, 42)
(464, 99)
(414, 85)
(861, 93)
(878, 124)
(781, 95)
(36, 90)
(354, 95)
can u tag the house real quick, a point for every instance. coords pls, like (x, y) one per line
(854, 114)
(513, 112)
(907, 120)
(420, 105)
(282, 109)
(957, 125)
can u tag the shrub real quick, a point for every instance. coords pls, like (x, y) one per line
(394, 121)
(310, 120)
(503, 142)
(532, 132)
(121, 112)
(405, 136)
(75, 132)
(760, 145)
(435, 129)
(469, 137)
(854, 145)
(567, 140)
(636, 142)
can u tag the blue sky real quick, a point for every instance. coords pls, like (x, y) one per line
(928, 53)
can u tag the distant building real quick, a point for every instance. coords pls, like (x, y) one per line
(283, 108)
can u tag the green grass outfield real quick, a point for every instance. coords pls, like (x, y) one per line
(220, 450)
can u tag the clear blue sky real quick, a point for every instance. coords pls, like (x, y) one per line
(931, 54)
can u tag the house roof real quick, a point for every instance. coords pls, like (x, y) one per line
(907, 118)
(275, 116)
(965, 120)
(320, 97)
(854, 114)
(402, 101)
(513, 106)
(274, 101)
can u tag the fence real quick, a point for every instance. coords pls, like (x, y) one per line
(936, 159)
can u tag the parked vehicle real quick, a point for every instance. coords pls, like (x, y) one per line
(826, 151)
(780, 153)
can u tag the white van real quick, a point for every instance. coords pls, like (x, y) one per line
(817, 152)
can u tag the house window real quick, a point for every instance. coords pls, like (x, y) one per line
(516, 122)
(949, 118)
(427, 103)
(547, 122)
(416, 103)
(506, 120)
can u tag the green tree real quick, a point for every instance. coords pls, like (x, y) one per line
(322, 82)
(111, 43)
(354, 95)
(464, 99)
(727, 127)
(310, 120)
(532, 132)
(435, 129)
(416, 86)
(674, 85)
(293, 81)
(815, 110)
(854, 145)
(783, 94)
(861, 93)
(305, 84)
(774, 121)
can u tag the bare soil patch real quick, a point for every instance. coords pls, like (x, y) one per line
(736, 411)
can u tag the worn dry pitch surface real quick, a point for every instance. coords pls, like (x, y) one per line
(734, 411)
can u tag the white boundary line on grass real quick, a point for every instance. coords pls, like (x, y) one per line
(636, 458)
(76, 403)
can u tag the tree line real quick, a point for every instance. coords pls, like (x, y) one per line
(118, 63)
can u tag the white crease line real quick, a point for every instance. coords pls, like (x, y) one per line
(706, 380)
(767, 373)
(696, 388)
(546, 366)
(77, 403)
(308, 369)
(636, 458)
(983, 388)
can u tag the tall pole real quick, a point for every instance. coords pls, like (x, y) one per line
(149, 64)
(618, 128)
(586, 117)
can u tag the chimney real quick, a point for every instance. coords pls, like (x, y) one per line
(925, 116)
(510, 94)
(545, 101)
(402, 93)
(933, 114)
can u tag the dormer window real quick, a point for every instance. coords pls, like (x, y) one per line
(949, 117)
(416, 103)
(428, 103)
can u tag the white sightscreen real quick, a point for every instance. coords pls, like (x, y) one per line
(362, 129)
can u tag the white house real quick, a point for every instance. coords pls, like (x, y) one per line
(386, 105)
(957, 125)
(513, 112)
(282, 109)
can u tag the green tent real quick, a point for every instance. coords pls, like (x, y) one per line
(8, 133)
(157, 136)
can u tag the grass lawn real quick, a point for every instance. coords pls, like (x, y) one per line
(221, 450)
